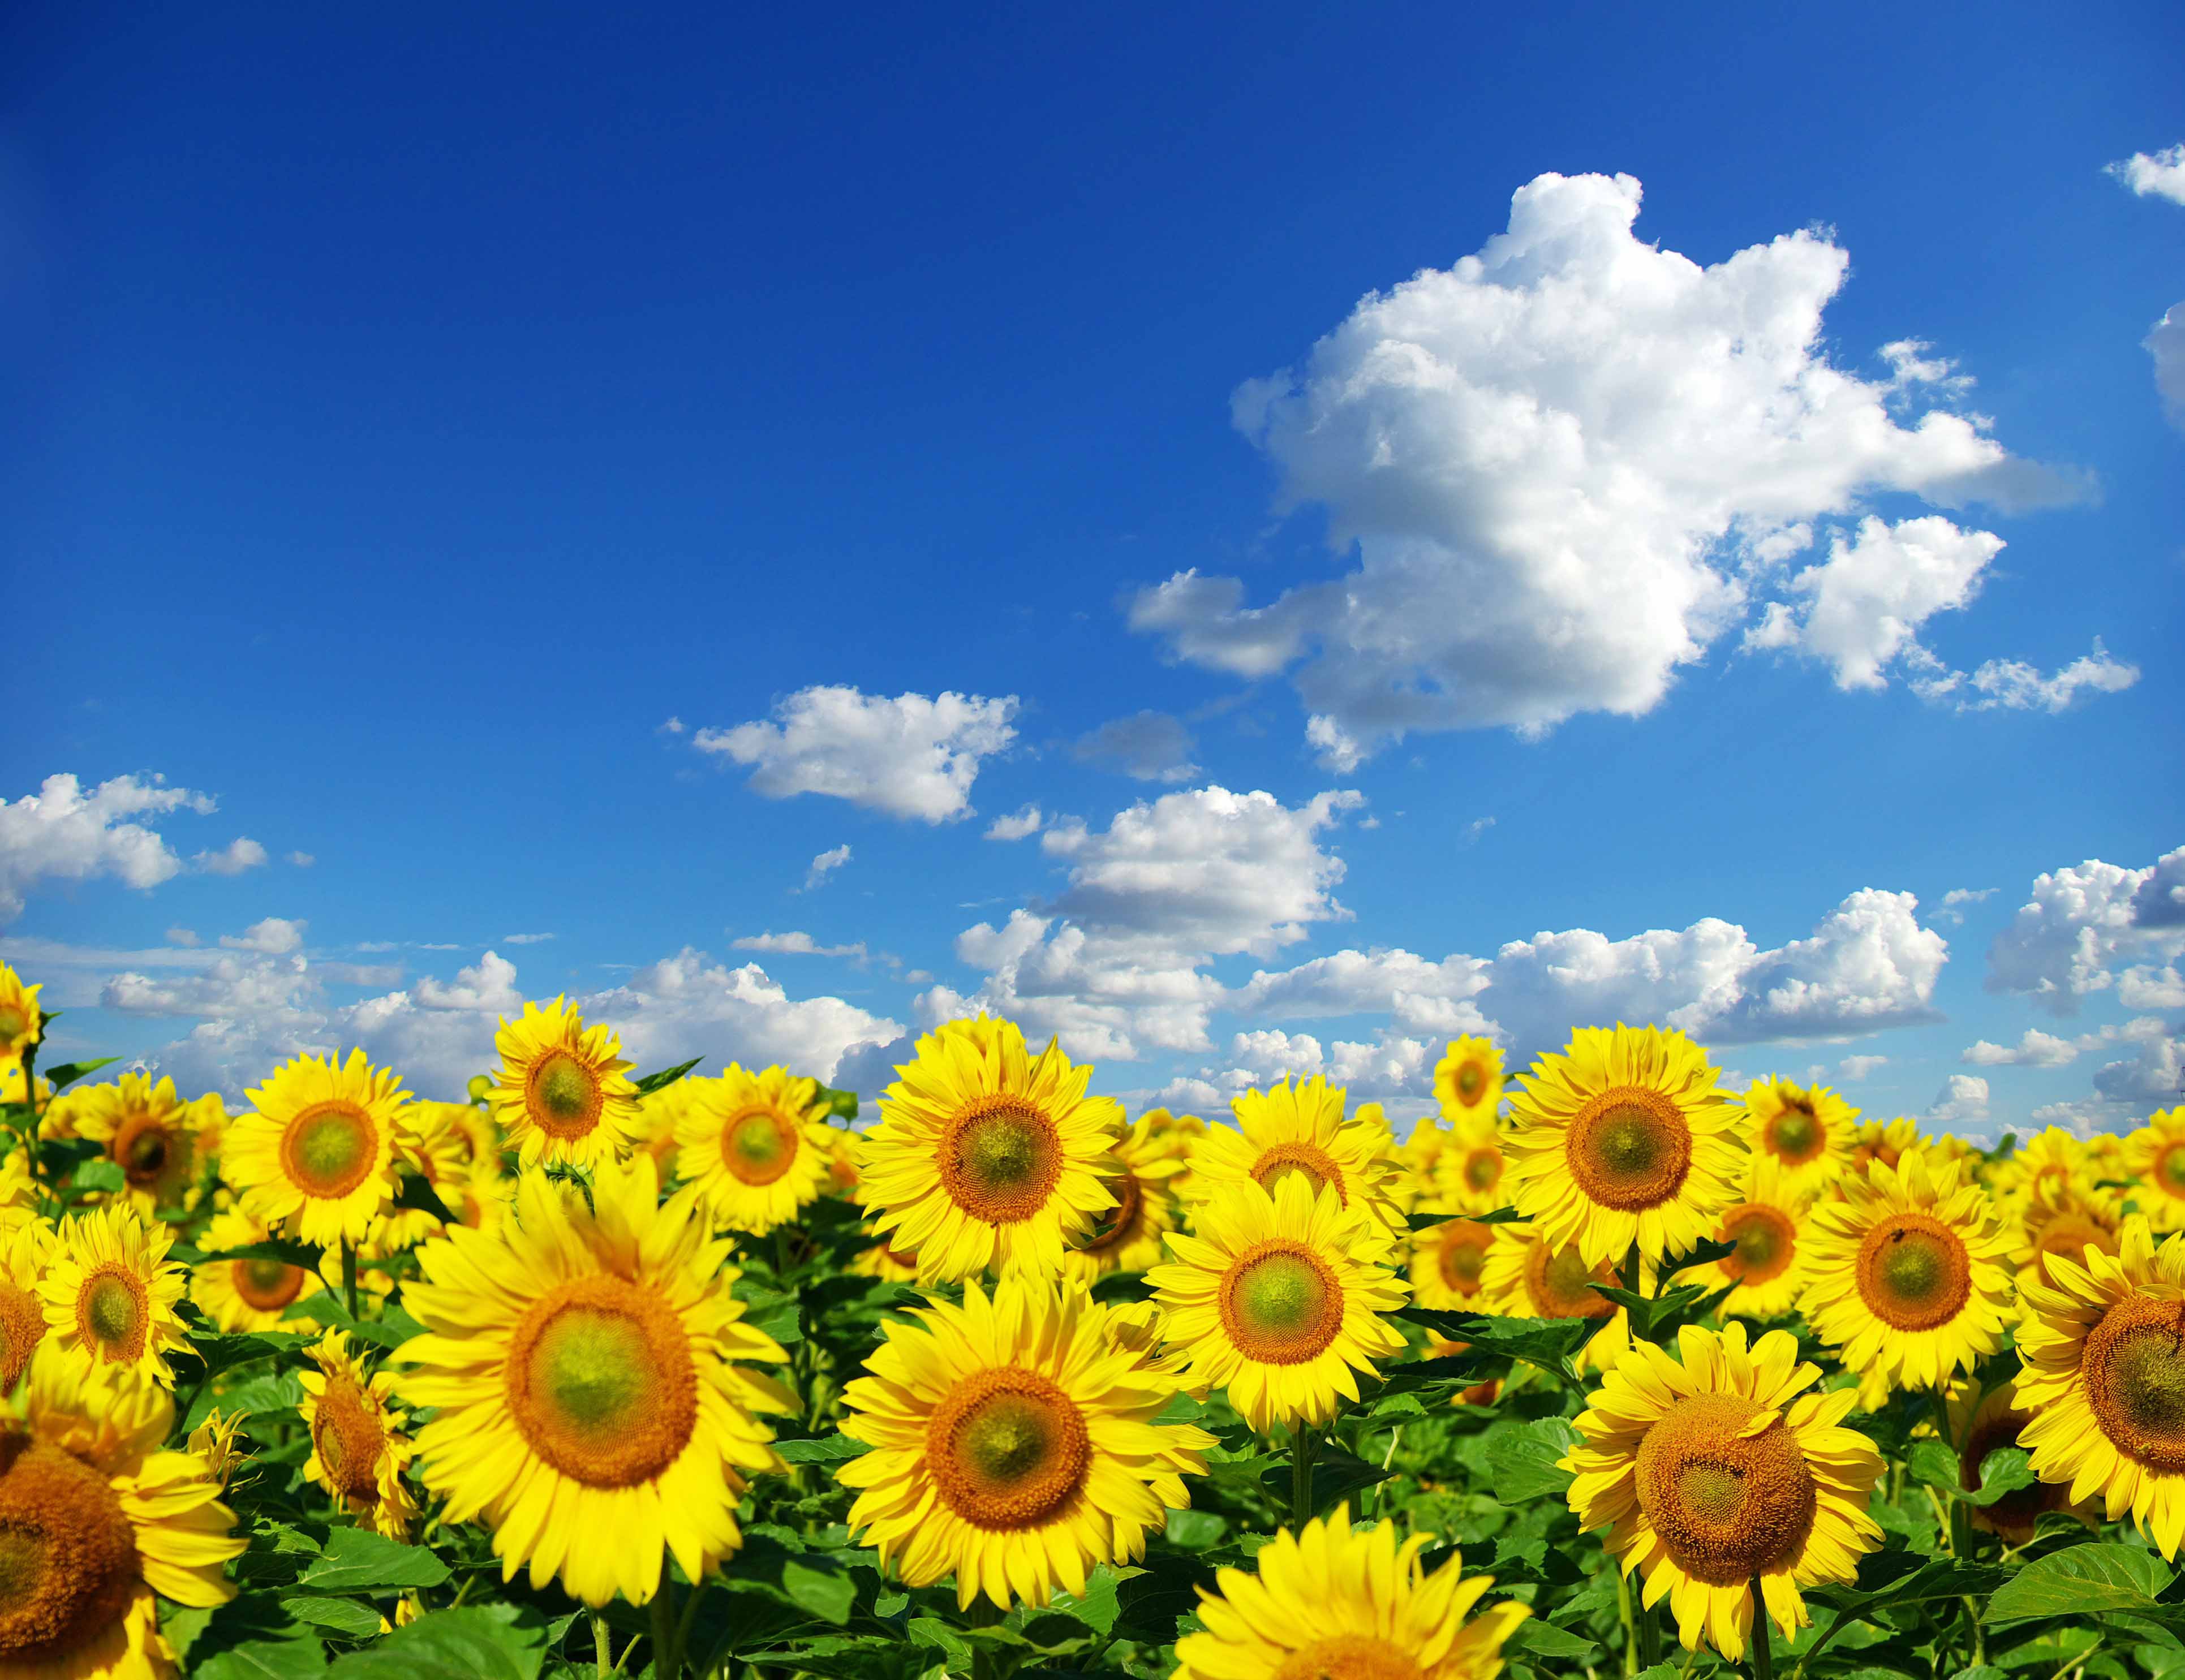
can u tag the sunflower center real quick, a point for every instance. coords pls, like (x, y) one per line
(1561, 1284)
(758, 1146)
(1728, 1506)
(1766, 1240)
(1315, 1165)
(111, 1312)
(267, 1285)
(1483, 1167)
(2135, 1370)
(2171, 1170)
(564, 1096)
(601, 1382)
(1471, 1081)
(22, 1328)
(1001, 1158)
(329, 1149)
(68, 1557)
(1914, 1272)
(1007, 1449)
(1630, 1148)
(1347, 1657)
(1280, 1302)
(13, 1020)
(1463, 1256)
(350, 1438)
(143, 1150)
(1120, 1223)
(1794, 1134)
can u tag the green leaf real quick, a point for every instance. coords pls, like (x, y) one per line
(357, 1561)
(1714, 1248)
(1934, 1465)
(282, 1393)
(1452, 1368)
(826, 1592)
(326, 1307)
(666, 1076)
(302, 1255)
(418, 1195)
(1520, 1463)
(2004, 1471)
(842, 1102)
(2090, 1579)
(1336, 1474)
(1545, 1639)
(222, 1351)
(826, 1449)
(497, 1642)
(265, 1660)
(343, 1615)
(1546, 1342)
(1098, 1607)
(768, 1311)
(931, 1631)
(101, 1177)
(66, 1073)
(1196, 1531)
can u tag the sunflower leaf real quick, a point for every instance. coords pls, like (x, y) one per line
(501, 1641)
(666, 1076)
(358, 1561)
(418, 1195)
(2004, 1471)
(65, 1073)
(302, 1255)
(826, 1449)
(1713, 1249)
(1522, 1462)
(1545, 1639)
(2082, 1580)
(1934, 1465)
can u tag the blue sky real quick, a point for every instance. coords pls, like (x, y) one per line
(564, 477)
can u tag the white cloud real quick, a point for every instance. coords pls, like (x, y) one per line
(798, 945)
(275, 936)
(1477, 827)
(2160, 901)
(1151, 746)
(2154, 1076)
(2011, 684)
(2067, 941)
(2034, 1049)
(1569, 464)
(228, 985)
(525, 939)
(238, 855)
(2159, 175)
(1962, 1097)
(1020, 826)
(2165, 342)
(1853, 1069)
(2144, 986)
(61, 833)
(183, 936)
(909, 756)
(1186, 1095)
(686, 1006)
(1951, 908)
(489, 988)
(674, 726)
(825, 865)
(302, 859)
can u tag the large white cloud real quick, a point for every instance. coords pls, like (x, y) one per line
(62, 833)
(2092, 927)
(1570, 463)
(911, 757)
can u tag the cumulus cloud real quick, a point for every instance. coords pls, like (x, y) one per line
(1570, 463)
(825, 865)
(275, 936)
(62, 833)
(2165, 342)
(238, 855)
(1021, 825)
(2159, 175)
(2012, 685)
(488, 987)
(1151, 746)
(2082, 924)
(2034, 1049)
(911, 757)
(182, 936)
(1963, 1099)
(1853, 1069)
(1952, 906)
(793, 944)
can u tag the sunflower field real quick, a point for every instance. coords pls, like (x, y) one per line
(1604, 1369)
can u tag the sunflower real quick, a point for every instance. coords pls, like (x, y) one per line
(215, 1442)
(1128, 1237)
(429, 1145)
(1468, 1171)
(240, 1295)
(22, 1021)
(842, 1161)
(561, 1093)
(2104, 1353)
(1768, 1270)
(100, 1524)
(2155, 1157)
(359, 1451)
(1014, 1444)
(109, 1291)
(1907, 1275)
(1467, 1080)
(755, 1145)
(1449, 1263)
(1298, 1130)
(474, 1125)
(316, 1157)
(582, 1362)
(1279, 1297)
(1981, 1424)
(1622, 1139)
(1525, 1276)
(986, 1157)
(659, 1113)
(145, 1130)
(881, 1261)
(1885, 1141)
(1347, 1604)
(1809, 1129)
(21, 1195)
(2051, 1163)
(1710, 1468)
(2064, 1222)
(23, 1254)
(1186, 1130)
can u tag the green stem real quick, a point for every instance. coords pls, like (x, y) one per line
(1630, 1271)
(1624, 1615)
(665, 1663)
(348, 1275)
(599, 1656)
(1650, 1632)
(1764, 1659)
(684, 1623)
(1302, 1441)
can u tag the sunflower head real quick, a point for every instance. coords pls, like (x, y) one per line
(109, 1294)
(1985, 1423)
(20, 1021)
(756, 1145)
(1468, 1079)
(1449, 1263)
(358, 1446)
(251, 1294)
(562, 1092)
(1766, 1223)
(1144, 1167)
(316, 1156)
(2154, 1157)
(1808, 1130)
(1297, 1130)
(1526, 1276)
(1885, 1141)
(147, 1132)
(23, 1254)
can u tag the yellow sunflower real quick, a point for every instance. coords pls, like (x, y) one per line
(756, 1146)
(561, 1093)
(145, 1130)
(1014, 1444)
(1622, 1139)
(21, 1195)
(2154, 1157)
(1981, 1424)
(1711, 1467)
(1768, 1267)
(240, 1295)
(1885, 1141)
(430, 1145)
(1128, 1238)
(101, 1524)
(359, 1450)
(1298, 1130)
(659, 1115)
(1525, 1276)
(23, 1254)
(1279, 1298)
(1449, 1263)
(881, 1261)
(1469, 1170)
(2065, 1221)
(584, 1364)
(986, 1157)
(1809, 1130)
(215, 1442)
(1908, 1274)
(2051, 1162)
(1187, 1129)
(2104, 1354)
(474, 1125)
(108, 1293)
(1468, 1079)
(22, 1021)
(316, 1157)
(1334, 1603)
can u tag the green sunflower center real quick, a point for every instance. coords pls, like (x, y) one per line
(602, 1382)
(2135, 1369)
(12, 1021)
(565, 1096)
(1729, 1504)
(1766, 1240)
(1914, 1272)
(330, 1148)
(267, 1285)
(1280, 1302)
(2171, 1168)
(1483, 1167)
(110, 1311)
(1007, 1448)
(1471, 1081)
(758, 1146)
(1630, 1148)
(1795, 1134)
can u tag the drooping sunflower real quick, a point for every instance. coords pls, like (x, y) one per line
(561, 1092)
(1711, 1467)
(145, 1130)
(1297, 1130)
(755, 1145)
(1279, 1298)
(1907, 1275)
(358, 1446)
(1981, 1424)
(1449, 1263)
(1809, 1130)
(23, 1254)
(584, 1364)
(986, 1157)
(1334, 1603)
(215, 1442)
(1128, 1238)
(1622, 1139)
(108, 1293)
(20, 1020)
(1467, 1080)
(316, 1157)
(100, 1524)
(1885, 1141)
(1014, 1444)
(248, 1294)
(1526, 1276)
(2104, 1353)
(2155, 1157)
(1768, 1268)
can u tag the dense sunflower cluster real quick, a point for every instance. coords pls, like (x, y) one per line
(692, 1365)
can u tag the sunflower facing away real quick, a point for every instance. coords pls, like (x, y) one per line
(110, 1292)
(22, 1316)
(1809, 1130)
(584, 1364)
(1146, 1164)
(986, 1157)
(20, 1021)
(1708, 1468)
(2154, 1156)
(1768, 1267)
(147, 1130)
(561, 1092)
(1981, 1424)
(1279, 1298)
(1298, 1130)
(1526, 1276)
(316, 1157)
(1467, 1080)
(756, 1145)
(1347, 1604)
(1622, 1139)
(359, 1450)
(1907, 1275)
(246, 1294)
(1014, 1444)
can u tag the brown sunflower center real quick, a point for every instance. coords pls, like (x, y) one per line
(758, 1146)
(1728, 1506)
(330, 1148)
(1307, 1161)
(1280, 1302)
(2170, 1169)
(1119, 1224)
(349, 1436)
(1795, 1136)
(601, 1382)
(562, 1096)
(1471, 1081)
(22, 1328)
(1560, 1284)
(12, 1021)
(68, 1557)
(2135, 1372)
(112, 1311)
(1001, 1158)
(1766, 1240)
(1349, 1656)
(267, 1286)
(144, 1149)
(1913, 1273)
(1483, 1167)
(1007, 1449)
(1630, 1148)
(1463, 1255)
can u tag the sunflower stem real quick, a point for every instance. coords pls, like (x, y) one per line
(1302, 1441)
(1649, 1632)
(1764, 1659)
(600, 1658)
(1624, 1615)
(665, 1665)
(349, 1275)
